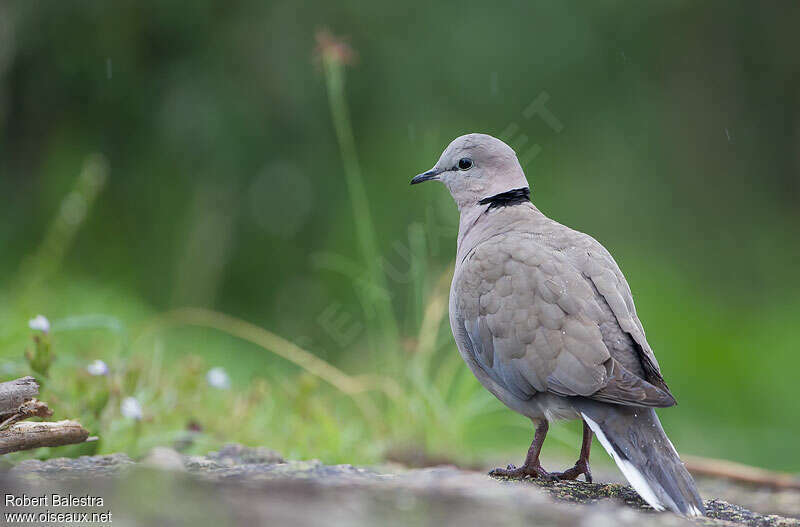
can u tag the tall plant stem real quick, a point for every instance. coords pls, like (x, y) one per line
(379, 298)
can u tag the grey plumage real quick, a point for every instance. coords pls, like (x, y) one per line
(545, 320)
(637, 442)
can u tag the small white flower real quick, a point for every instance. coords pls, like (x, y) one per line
(39, 322)
(131, 408)
(97, 367)
(218, 378)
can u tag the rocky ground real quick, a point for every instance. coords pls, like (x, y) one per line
(256, 486)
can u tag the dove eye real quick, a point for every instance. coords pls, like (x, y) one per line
(464, 163)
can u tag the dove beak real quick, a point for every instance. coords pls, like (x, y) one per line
(426, 176)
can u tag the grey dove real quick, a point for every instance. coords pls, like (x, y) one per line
(544, 318)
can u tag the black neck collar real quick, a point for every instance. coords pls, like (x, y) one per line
(505, 199)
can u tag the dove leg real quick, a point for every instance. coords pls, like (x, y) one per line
(531, 467)
(582, 465)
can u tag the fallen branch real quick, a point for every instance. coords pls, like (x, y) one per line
(17, 402)
(24, 436)
(32, 408)
(14, 393)
(721, 468)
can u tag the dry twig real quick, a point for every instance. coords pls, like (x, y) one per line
(24, 436)
(32, 408)
(14, 393)
(17, 402)
(721, 468)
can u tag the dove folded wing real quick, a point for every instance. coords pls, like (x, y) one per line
(535, 322)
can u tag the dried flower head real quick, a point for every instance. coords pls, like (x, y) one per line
(335, 49)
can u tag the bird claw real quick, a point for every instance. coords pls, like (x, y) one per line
(532, 471)
(574, 472)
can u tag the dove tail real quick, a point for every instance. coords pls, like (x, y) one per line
(634, 437)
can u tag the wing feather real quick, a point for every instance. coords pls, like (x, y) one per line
(537, 325)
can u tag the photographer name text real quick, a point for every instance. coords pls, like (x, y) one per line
(53, 500)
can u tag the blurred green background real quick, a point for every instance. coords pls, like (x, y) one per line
(158, 155)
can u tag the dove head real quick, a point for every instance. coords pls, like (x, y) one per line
(474, 167)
